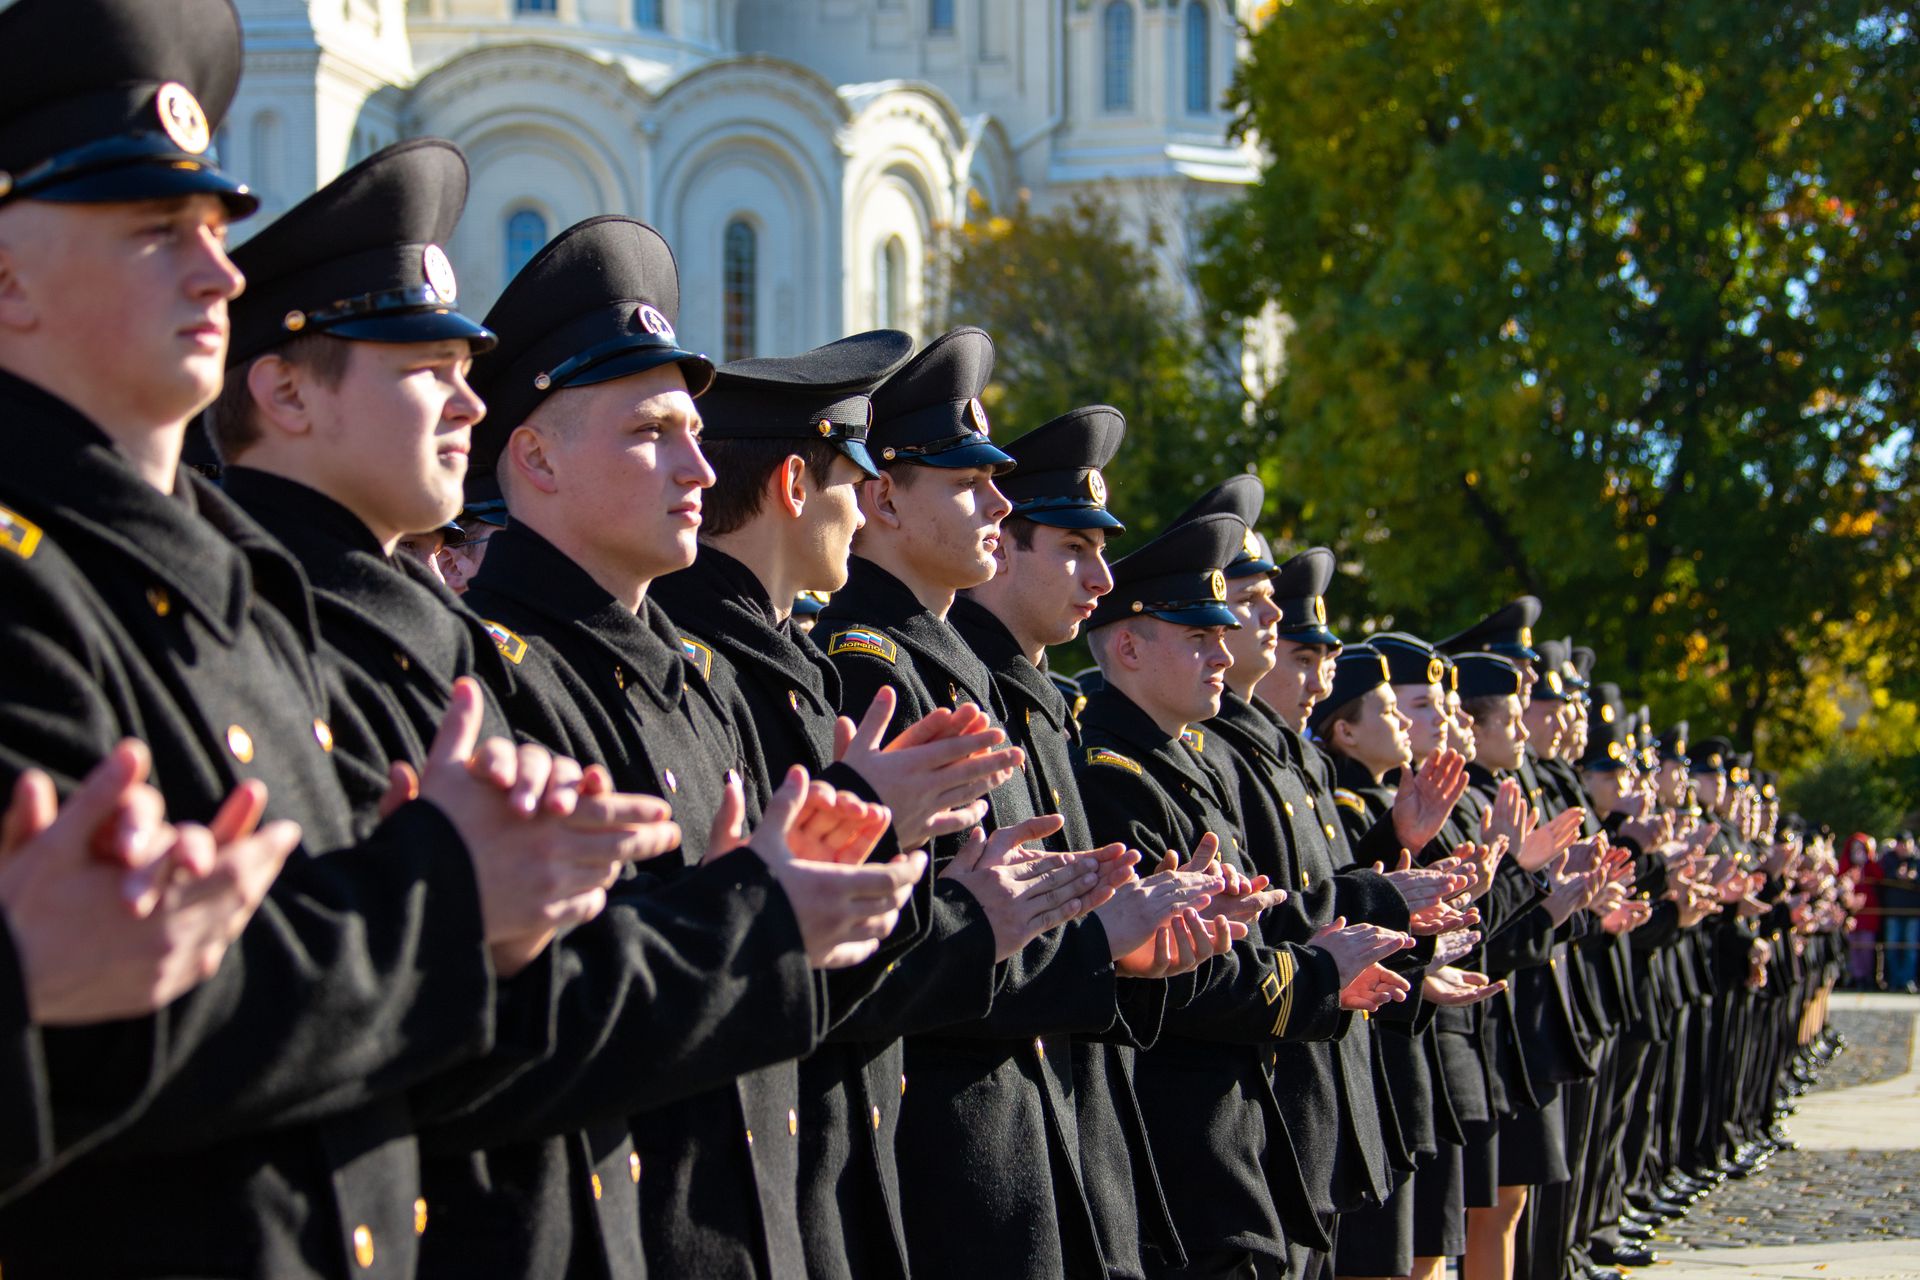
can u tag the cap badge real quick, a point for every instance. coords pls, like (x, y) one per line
(1435, 670)
(1553, 681)
(1217, 583)
(439, 273)
(1526, 637)
(977, 413)
(182, 118)
(1250, 546)
(1613, 751)
(1097, 488)
(1606, 713)
(650, 319)
(1320, 610)
(1386, 672)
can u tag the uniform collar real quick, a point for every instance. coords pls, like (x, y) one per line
(193, 544)
(723, 602)
(995, 646)
(874, 597)
(1354, 776)
(1113, 712)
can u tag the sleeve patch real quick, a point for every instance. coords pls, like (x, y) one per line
(1100, 755)
(18, 534)
(1349, 800)
(510, 645)
(1194, 738)
(1283, 964)
(863, 640)
(701, 655)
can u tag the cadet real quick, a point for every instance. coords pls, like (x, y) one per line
(593, 435)
(138, 600)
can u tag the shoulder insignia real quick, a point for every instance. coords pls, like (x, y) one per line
(1100, 755)
(510, 645)
(701, 655)
(1349, 800)
(1194, 738)
(18, 534)
(863, 640)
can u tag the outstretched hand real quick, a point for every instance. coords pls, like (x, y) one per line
(1426, 797)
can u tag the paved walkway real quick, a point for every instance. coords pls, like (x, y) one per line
(1846, 1206)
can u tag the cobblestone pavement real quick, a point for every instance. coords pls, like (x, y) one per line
(1809, 1197)
(1879, 1046)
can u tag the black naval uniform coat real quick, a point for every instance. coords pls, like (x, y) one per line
(1205, 1086)
(1327, 1088)
(786, 691)
(988, 1149)
(1117, 1168)
(277, 1112)
(717, 1169)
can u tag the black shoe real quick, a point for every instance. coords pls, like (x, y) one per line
(1628, 1229)
(1622, 1254)
(1641, 1216)
(1595, 1271)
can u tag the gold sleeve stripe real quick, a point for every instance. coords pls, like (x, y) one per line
(1283, 963)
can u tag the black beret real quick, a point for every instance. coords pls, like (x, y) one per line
(930, 412)
(361, 257)
(1609, 731)
(598, 303)
(1710, 755)
(1300, 589)
(1178, 576)
(1242, 496)
(1410, 660)
(1358, 671)
(1507, 631)
(1056, 476)
(822, 394)
(1485, 675)
(115, 100)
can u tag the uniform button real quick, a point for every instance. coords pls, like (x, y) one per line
(903, 1084)
(673, 783)
(620, 676)
(1309, 802)
(159, 601)
(363, 1246)
(1236, 841)
(633, 1164)
(1040, 1047)
(596, 1186)
(1305, 880)
(749, 1137)
(240, 742)
(1289, 807)
(793, 1123)
(1056, 795)
(876, 1119)
(402, 661)
(793, 700)
(1329, 831)
(323, 734)
(420, 1216)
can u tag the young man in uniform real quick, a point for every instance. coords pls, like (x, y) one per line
(139, 601)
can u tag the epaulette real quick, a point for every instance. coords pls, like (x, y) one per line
(1100, 755)
(1349, 800)
(863, 640)
(510, 645)
(701, 655)
(1194, 738)
(18, 534)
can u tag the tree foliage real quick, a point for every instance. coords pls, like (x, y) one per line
(1616, 304)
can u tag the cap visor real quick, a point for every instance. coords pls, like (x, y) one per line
(980, 454)
(1075, 518)
(152, 180)
(416, 326)
(697, 369)
(1204, 615)
(1518, 652)
(858, 454)
(1248, 568)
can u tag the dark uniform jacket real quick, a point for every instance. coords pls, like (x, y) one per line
(717, 1170)
(988, 1149)
(278, 1114)
(1206, 1085)
(1117, 1169)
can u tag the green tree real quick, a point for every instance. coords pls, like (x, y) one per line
(1613, 303)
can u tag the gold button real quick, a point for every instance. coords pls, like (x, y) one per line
(876, 1119)
(240, 742)
(323, 734)
(1304, 880)
(405, 663)
(749, 1137)
(793, 1123)
(1056, 795)
(363, 1246)
(1289, 807)
(633, 1164)
(420, 1216)
(620, 677)
(673, 783)
(1309, 802)
(903, 1084)
(596, 1186)
(1329, 831)
(1040, 1047)
(159, 600)
(793, 700)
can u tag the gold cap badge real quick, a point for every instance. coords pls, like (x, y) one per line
(439, 273)
(1217, 581)
(182, 118)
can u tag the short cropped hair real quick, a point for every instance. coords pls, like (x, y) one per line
(232, 425)
(742, 467)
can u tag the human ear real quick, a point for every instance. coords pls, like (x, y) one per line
(277, 388)
(789, 485)
(528, 453)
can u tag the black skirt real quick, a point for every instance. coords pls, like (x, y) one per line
(1533, 1147)
(1439, 1204)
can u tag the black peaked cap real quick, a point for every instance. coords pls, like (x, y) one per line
(1583, 660)
(598, 303)
(361, 257)
(1552, 684)
(822, 394)
(1673, 743)
(1179, 576)
(1244, 496)
(930, 412)
(1609, 731)
(1056, 476)
(1410, 660)
(111, 100)
(1710, 755)
(1300, 589)
(1358, 671)
(1485, 675)
(1507, 631)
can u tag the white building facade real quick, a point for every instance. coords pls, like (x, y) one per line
(804, 158)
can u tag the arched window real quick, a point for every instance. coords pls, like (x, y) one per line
(1116, 29)
(526, 236)
(1199, 60)
(264, 151)
(890, 284)
(535, 6)
(739, 282)
(940, 16)
(647, 15)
